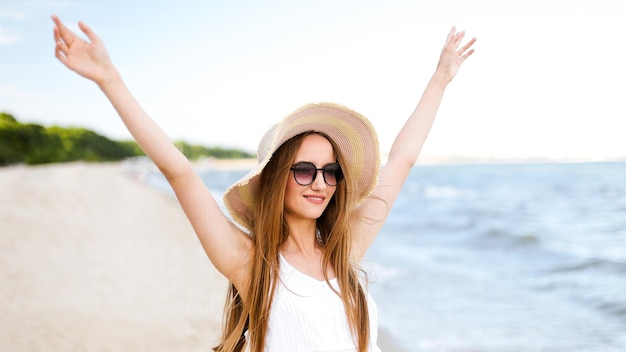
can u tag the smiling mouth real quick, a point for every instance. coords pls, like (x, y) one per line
(315, 198)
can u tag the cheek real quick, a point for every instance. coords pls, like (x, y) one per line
(291, 191)
(331, 192)
(291, 187)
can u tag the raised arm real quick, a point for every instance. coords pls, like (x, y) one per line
(226, 246)
(408, 144)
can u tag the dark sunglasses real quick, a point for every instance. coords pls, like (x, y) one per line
(305, 173)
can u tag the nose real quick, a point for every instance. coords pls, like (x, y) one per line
(319, 182)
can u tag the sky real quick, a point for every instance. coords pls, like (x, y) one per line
(547, 79)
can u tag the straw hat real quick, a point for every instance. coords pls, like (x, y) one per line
(354, 135)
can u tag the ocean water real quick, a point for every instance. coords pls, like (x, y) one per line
(500, 257)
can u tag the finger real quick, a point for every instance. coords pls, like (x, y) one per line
(62, 47)
(466, 46)
(458, 38)
(466, 55)
(57, 36)
(65, 34)
(450, 35)
(59, 53)
(59, 47)
(62, 32)
(463, 50)
(88, 32)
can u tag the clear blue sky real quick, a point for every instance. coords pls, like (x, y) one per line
(547, 79)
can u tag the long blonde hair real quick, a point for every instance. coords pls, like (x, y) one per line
(270, 232)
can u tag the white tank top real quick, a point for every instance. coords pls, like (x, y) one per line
(308, 316)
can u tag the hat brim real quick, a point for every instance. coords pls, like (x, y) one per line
(353, 134)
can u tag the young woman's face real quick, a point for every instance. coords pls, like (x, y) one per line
(309, 202)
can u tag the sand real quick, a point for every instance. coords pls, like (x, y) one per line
(94, 259)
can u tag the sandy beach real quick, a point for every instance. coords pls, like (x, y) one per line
(93, 259)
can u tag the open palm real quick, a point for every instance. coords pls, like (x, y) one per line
(452, 56)
(87, 58)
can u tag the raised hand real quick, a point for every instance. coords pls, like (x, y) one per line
(87, 58)
(452, 56)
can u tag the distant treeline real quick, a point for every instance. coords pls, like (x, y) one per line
(35, 144)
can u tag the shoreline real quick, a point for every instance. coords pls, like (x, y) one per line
(425, 160)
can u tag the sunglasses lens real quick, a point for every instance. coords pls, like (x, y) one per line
(333, 174)
(304, 173)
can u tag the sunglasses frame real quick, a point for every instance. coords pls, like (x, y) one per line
(338, 177)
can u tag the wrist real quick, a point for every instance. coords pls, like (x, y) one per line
(110, 78)
(440, 79)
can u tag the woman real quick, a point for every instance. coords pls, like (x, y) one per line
(303, 218)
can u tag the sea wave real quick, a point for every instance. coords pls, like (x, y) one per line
(593, 264)
(500, 237)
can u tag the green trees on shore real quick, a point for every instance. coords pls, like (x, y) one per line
(35, 144)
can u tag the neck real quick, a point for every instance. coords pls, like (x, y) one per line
(303, 252)
(302, 239)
